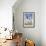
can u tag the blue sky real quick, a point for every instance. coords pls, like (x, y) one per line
(28, 15)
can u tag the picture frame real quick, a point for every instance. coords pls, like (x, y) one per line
(29, 19)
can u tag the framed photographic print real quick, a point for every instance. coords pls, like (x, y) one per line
(29, 19)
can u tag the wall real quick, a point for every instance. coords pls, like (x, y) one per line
(43, 22)
(6, 13)
(6, 20)
(28, 6)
